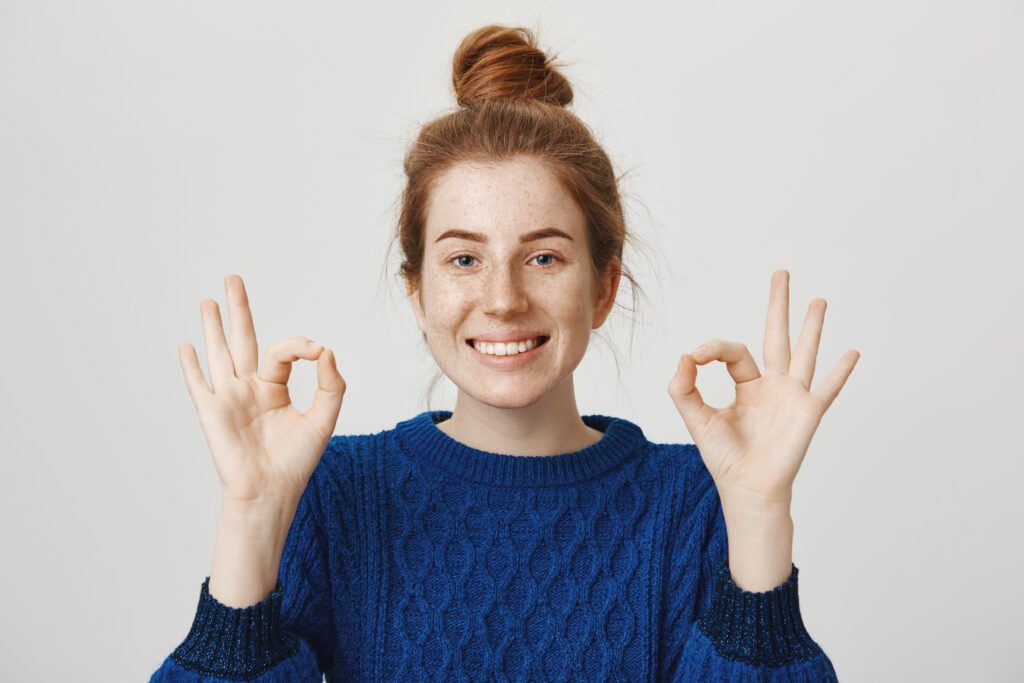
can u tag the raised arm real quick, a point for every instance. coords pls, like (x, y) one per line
(268, 571)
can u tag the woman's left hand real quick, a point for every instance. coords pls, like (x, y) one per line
(754, 447)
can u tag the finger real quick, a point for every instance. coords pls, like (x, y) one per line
(833, 384)
(683, 390)
(197, 387)
(806, 354)
(776, 334)
(277, 361)
(329, 391)
(737, 358)
(243, 335)
(218, 357)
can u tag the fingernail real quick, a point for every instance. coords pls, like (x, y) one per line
(312, 345)
(699, 351)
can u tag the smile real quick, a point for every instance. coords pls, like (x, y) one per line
(506, 348)
(535, 348)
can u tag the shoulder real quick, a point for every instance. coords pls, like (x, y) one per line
(346, 449)
(344, 494)
(683, 458)
(682, 468)
(695, 519)
(356, 448)
(349, 463)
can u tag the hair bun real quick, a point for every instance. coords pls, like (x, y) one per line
(503, 63)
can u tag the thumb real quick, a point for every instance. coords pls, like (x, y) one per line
(683, 390)
(329, 390)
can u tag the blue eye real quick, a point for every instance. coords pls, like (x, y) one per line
(458, 260)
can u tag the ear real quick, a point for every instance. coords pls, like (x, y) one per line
(609, 288)
(413, 292)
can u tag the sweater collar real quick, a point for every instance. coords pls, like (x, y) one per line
(421, 439)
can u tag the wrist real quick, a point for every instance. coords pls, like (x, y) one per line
(255, 518)
(246, 555)
(760, 537)
(748, 507)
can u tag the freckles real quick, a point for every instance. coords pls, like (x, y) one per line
(451, 293)
(448, 301)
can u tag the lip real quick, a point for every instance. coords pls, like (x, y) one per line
(509, 362)
(508, 336)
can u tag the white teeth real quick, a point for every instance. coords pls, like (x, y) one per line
(503, 348)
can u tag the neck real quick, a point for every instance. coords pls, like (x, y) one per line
(550, 426)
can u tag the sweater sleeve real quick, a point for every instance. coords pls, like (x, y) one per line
(715, 631)
(286, 637)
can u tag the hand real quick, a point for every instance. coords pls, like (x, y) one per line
(264, 450)
(754, 448)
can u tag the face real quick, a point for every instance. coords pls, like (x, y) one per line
(506, 257)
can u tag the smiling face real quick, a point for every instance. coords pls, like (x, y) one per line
(496, 268)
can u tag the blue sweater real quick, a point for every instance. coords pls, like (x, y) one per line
(413, 557)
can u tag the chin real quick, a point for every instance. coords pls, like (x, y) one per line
(513, 398)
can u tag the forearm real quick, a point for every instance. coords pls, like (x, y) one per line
(760, 544)
(247, 554)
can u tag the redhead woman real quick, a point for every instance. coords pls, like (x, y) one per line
(509, 538)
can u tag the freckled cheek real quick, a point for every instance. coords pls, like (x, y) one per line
(569, 312)
(446, 306)
(578, 324)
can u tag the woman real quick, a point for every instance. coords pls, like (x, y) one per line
(510, 537)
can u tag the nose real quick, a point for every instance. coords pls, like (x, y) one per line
(504, 294)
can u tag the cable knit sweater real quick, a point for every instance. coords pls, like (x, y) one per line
(413, 557)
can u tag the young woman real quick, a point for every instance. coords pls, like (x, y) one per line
(510, 538)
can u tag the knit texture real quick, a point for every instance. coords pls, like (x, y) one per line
(413, 557)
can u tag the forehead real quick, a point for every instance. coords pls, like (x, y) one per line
(498, 197)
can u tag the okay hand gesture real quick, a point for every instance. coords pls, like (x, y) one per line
(754, 447)
(264, 449)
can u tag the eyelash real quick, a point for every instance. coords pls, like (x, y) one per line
(455, 258)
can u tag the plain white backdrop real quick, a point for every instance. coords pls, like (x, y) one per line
(873, 149)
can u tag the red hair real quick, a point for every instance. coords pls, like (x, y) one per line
(512, 103)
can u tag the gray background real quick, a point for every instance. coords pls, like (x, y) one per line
(874, 149)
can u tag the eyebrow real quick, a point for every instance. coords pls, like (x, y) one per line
(528, 237)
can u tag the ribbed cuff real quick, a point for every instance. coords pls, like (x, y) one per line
(233, 642)
(762, 629)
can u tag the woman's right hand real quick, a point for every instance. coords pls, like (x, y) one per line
(264, 450)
